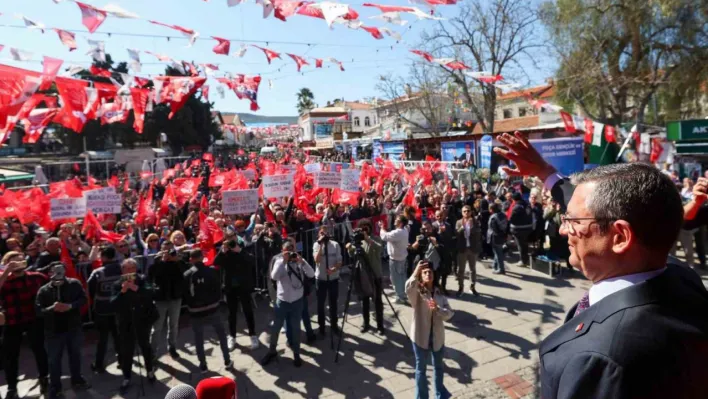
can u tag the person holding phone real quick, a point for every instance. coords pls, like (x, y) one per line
(18, 290)
(430, 311)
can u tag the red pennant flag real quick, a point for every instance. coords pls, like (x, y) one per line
(223, 47)
(490, 79)
(385, 8)
(656, 150)
(91, 16)
(318, 63)
(457, 65)
(50, 68)
(610, 136)
(75, 100)
(374, 31)
(427, 56)
(145, 209)
(67, 38)
(35, 123)
(270, 54)
(205, 92)
(298, 60)
(176, 90)
(93, 229)
(190, 33)
(286, 8)
(204, 204)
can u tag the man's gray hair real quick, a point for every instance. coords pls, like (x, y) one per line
(130, 261)
(638, 194)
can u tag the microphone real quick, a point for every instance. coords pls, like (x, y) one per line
(182, 391)
(216, 388)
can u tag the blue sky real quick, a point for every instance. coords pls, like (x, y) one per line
(364, 58)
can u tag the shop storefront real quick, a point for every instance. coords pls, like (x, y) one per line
(690, 138)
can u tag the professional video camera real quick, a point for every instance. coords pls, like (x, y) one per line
(323, 239)
(422, 241)
(358, 236)
(292, 256)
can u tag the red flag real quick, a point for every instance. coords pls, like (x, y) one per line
(205, 92)
(75, 101)
(176, 90)
(589, 130)
(428, 57)
(610, 136)
(270, 54)
(140, 98)
(656, 150)
(65, 258)
(145, 209)
(386, 8)
(186, 189)
(50, 69)
(456, 65)
(374, 31)
(298, 60)
(113, 181)
(190, 33)
(93, 229)
(204, 204)
(67, 38)
(100, 71)
(35, 123)
(409, 199)
(91, 16)
(223, 47)
(568, 122)
(318, 63)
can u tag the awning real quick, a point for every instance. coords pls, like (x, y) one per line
(8, 175)
(453, 133)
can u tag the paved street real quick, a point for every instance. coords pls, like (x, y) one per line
(490, 349)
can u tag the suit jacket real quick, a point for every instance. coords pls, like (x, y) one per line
(646, 341)
(475, 237)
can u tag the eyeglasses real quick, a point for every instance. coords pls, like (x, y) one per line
(571, 223)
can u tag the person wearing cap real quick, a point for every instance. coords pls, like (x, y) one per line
(59, 302)
(135, 313)
(431, 310)
(101, 284)
(18, 290)
(204, 298)
(237, 267)
(289, 272)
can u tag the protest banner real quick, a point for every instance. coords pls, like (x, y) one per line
(103, 201)
(276, 186)
(67, 208)
(249, 174)
(350, 180)
(313, 167)
(239, 202)
(327, 179)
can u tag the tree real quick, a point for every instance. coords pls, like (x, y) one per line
(492, 36)
(616, 55)
(305, 100)
(419, 100)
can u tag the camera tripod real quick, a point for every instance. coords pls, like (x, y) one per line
(359, 265)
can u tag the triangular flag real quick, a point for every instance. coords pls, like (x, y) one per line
(298, 60)
(318, 63)
(223, 47)
(98, 50)
(205, 92)
(32, 24)
(67, 38)
(118, 12)
(241, 52)
(270, 54)
(91, 17)
(332, 11)
(50, 67)
(375, 33)
(191, 34)
(20, 55)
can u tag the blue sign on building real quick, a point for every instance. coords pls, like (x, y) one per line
(565, 154)
(485, 151)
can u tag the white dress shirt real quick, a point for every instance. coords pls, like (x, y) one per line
(605, 288)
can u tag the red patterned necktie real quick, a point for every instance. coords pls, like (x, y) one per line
(583, 304)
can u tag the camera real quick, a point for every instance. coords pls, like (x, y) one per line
(422, 241)
(292, 256)
(231, 244)
(323, 239)
(358, 236)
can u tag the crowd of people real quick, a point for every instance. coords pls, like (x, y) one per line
(133, 273)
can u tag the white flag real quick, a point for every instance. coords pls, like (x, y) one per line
(135, 66)
(118, 12)
(241, 52)
(391, 33)
(20, 55)
(134, 54)
(97, 51)
(391, 18)
(332, 11)
(232, 3)
(597, 134)
(74, 69)
(32, 24)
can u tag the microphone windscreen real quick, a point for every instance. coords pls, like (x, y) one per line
(216, 388)
(181, 391)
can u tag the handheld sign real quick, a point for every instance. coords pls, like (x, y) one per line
(276, 186)
(103, 201)
(239, 202)
(350, 180)
(328, 179)
(67, 208)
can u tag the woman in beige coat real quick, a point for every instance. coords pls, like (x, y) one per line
(430, 310)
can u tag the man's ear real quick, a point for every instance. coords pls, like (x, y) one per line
(623, 236)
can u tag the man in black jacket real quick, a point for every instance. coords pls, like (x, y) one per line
(51, 254)
(238, 267)
(167, 279)
(101, 284)
(59, 303)
(641, 331)
(203, 305)
(136, 313)
(521, 223)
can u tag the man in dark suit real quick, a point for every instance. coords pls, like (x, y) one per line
(641, 331)
(467, 156)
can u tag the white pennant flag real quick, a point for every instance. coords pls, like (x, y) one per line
(597, 134)
(31, 24)
(157, 84)
(424, 15)
(118, 12)
(332, 11)
(267, 7)
(391, 18)
(221, 92)
(391, 33)
(232, 3)
(135, 66)
(20, 55)
(74, 69)
(241, 52)
(134, 54)
(97, 51)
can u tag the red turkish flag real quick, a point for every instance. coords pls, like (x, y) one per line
(568, 122)
(91, 16)
(427, 56)
(610, 135)
(35, 123)
(67, 38)
(176, 90)
(75, 99)
(270, 54)
(298, 60)
(286, 8)
(100, 71)
(205, 92)
(223, 47)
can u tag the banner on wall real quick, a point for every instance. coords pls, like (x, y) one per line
(376, 149)
(565, 154)
(485, 151)
(394, 149)
(458, 151)
(323, 130)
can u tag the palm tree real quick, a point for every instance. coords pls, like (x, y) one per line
(304, 100)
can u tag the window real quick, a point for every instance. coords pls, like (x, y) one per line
(507, 113)
(522, 112)
(367, 121)
(356, 121)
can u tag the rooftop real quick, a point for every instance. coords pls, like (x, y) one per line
(510, 125)
(545, 91)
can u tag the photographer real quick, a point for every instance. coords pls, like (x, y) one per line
(446, 238)
(237, 267)
(328, 261)
(427, 247)
(59, 302)
(372, 252)
(290, 273)
(430, 311)
(100, 287)
(136, 313)
(166, 276)
(397, 247)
